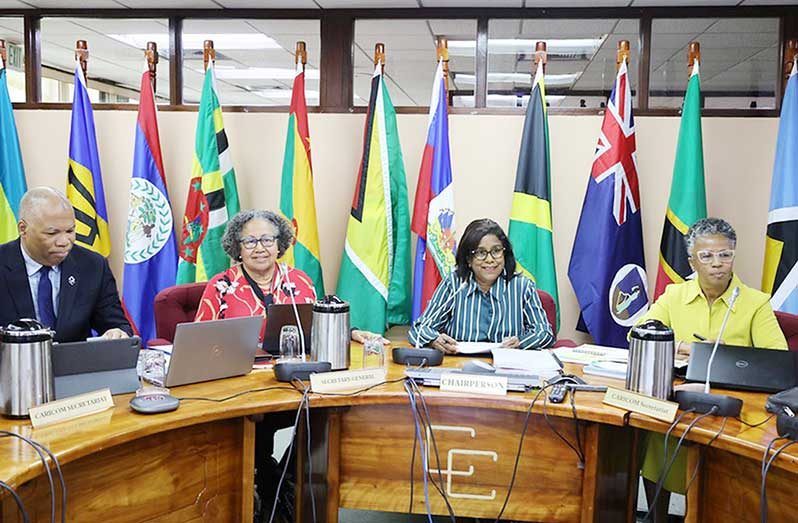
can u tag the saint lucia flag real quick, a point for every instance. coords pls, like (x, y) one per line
(84, 179)
(212, 193)
(150, 245)
(433, 212)
(297, 200)
(530, 217)
(780, 274)
(375, 269)
(12, 173)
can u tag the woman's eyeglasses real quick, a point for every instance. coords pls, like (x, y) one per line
(496, 253)
(250, 242)
(725, 256)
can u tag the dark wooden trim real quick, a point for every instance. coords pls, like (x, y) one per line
(337, 67)
(33, 59)
(644, 69)
(481, 64)
(175, 60)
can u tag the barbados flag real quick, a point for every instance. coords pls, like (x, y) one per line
(530, 216)
(12, 173)
(150, 245)
(780, 274)
(433, 212)
(84, 177)
(297, 200)
(212, 193)
(375, 268)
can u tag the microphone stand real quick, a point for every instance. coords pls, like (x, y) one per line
(704, 402)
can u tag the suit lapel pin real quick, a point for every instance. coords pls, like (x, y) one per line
(71, 280)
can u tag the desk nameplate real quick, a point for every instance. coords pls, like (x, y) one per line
(635, 402)
(347, 380)
(474, 383)
(72, 407)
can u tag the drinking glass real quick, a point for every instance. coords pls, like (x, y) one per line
(290, 348)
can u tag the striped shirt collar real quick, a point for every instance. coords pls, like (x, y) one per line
(496, 290)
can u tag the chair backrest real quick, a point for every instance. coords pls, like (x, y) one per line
(551, 309)
(789, 326)
(176, 304)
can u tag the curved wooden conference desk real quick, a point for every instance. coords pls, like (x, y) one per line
(196, 463)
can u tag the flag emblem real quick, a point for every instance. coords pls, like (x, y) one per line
(628, 295)
(149, 221)
(195, 222)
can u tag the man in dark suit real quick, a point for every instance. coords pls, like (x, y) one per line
(44, 275)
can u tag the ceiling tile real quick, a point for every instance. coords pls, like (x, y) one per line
(391, 27)
(75, 4)
(173, 4)
(471, 3)
(577, 3)
(452, 28)
(280, 27)
(680, 25)
(13, 4)
(357, 4)
(770, 2)
(547, 29)
(268, 4)
(745, 25)
(674, 3)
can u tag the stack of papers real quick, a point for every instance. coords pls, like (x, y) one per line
(608, 369)
(476, 347)
(538, 362)
(585, 354)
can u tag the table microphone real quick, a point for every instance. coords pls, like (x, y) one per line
(704, 402)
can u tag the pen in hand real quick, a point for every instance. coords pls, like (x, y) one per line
(699, 337)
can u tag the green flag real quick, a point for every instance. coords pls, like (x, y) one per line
(688, 200)
(375, 268)
(530, 218)
(212, 194)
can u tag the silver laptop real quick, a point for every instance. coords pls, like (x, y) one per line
(211, 350)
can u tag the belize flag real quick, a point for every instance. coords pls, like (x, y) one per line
(433, 211)
(607, 268)
(150, 245)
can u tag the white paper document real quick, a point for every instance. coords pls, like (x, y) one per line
(586, 353)
(539, 362)
(476, 347)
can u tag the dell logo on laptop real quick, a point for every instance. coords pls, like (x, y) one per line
(741, 364)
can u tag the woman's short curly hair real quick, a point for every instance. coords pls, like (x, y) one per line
(709, 227)
(231, 240)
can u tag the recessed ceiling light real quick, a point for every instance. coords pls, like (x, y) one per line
(226, 41)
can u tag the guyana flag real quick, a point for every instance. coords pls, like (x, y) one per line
(780, 274)
(84, 178)
(297, 201)
(375, 268)
(688, 200)
(12, 173)
(212, 193)
(530, 216)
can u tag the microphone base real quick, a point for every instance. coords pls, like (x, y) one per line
(289, 370)
(416, 357)
(787, 426)
(702, 403)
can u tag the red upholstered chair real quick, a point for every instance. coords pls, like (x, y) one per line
(551, 314)
(173, 305)
(789, 326)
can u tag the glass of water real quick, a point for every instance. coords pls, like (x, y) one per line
(152, 368)
(290, 348)
(373, 352)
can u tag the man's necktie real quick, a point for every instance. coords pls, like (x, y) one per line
(45, 298)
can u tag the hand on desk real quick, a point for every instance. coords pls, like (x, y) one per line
(114, 334)
(445, 344)
(511, 343)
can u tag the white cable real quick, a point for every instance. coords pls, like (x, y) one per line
(284, 272)
(735, 293)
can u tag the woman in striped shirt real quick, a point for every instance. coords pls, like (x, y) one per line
(484, 299)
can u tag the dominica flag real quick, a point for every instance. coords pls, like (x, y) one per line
(530, 217)
(297, 200)
(150, 245)
(212, 193)
(688, 199)
(375, 267)
(780, 274)
(12, 173)
(84, 177)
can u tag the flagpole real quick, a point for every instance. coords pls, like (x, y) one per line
(379, 56)
(151, 54)
(208, 53)
(301, 55)
(622, 55)
(442, 53)
(82, 55)
(693, 57)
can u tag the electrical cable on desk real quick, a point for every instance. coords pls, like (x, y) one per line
(416, 422)
(288, 451)
(237, 394)
(17, 500)
(755, 425)
(576, 427)
(41, 450)
(579, 456)
(520, 447)
(763, 496)
(426, 420)
(308, 439)
(669, 464)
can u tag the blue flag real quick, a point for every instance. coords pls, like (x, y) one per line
(780, 273)
(12, 173)
(150, 245)
(607, 268)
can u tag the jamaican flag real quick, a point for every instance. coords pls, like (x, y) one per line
(84, 178)
(12, 173)
(530, 217)
(297, 201)
(375, 267)
(688, 200)
(212, 193)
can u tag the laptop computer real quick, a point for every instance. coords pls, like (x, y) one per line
(281, 314)
(745, 368)
(85, 366)
(211, 350)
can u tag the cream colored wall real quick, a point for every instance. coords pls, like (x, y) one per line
(738, 156)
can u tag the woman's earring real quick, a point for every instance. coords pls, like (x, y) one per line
(239, 258)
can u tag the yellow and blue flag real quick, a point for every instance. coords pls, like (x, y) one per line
(12, 173)
(85, 179)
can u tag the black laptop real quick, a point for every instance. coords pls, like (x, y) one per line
(745, 368)
(281, 314)
(85, 366)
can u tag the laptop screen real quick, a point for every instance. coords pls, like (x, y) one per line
(746, 368)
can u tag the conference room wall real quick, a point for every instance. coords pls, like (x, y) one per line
(738, 156)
